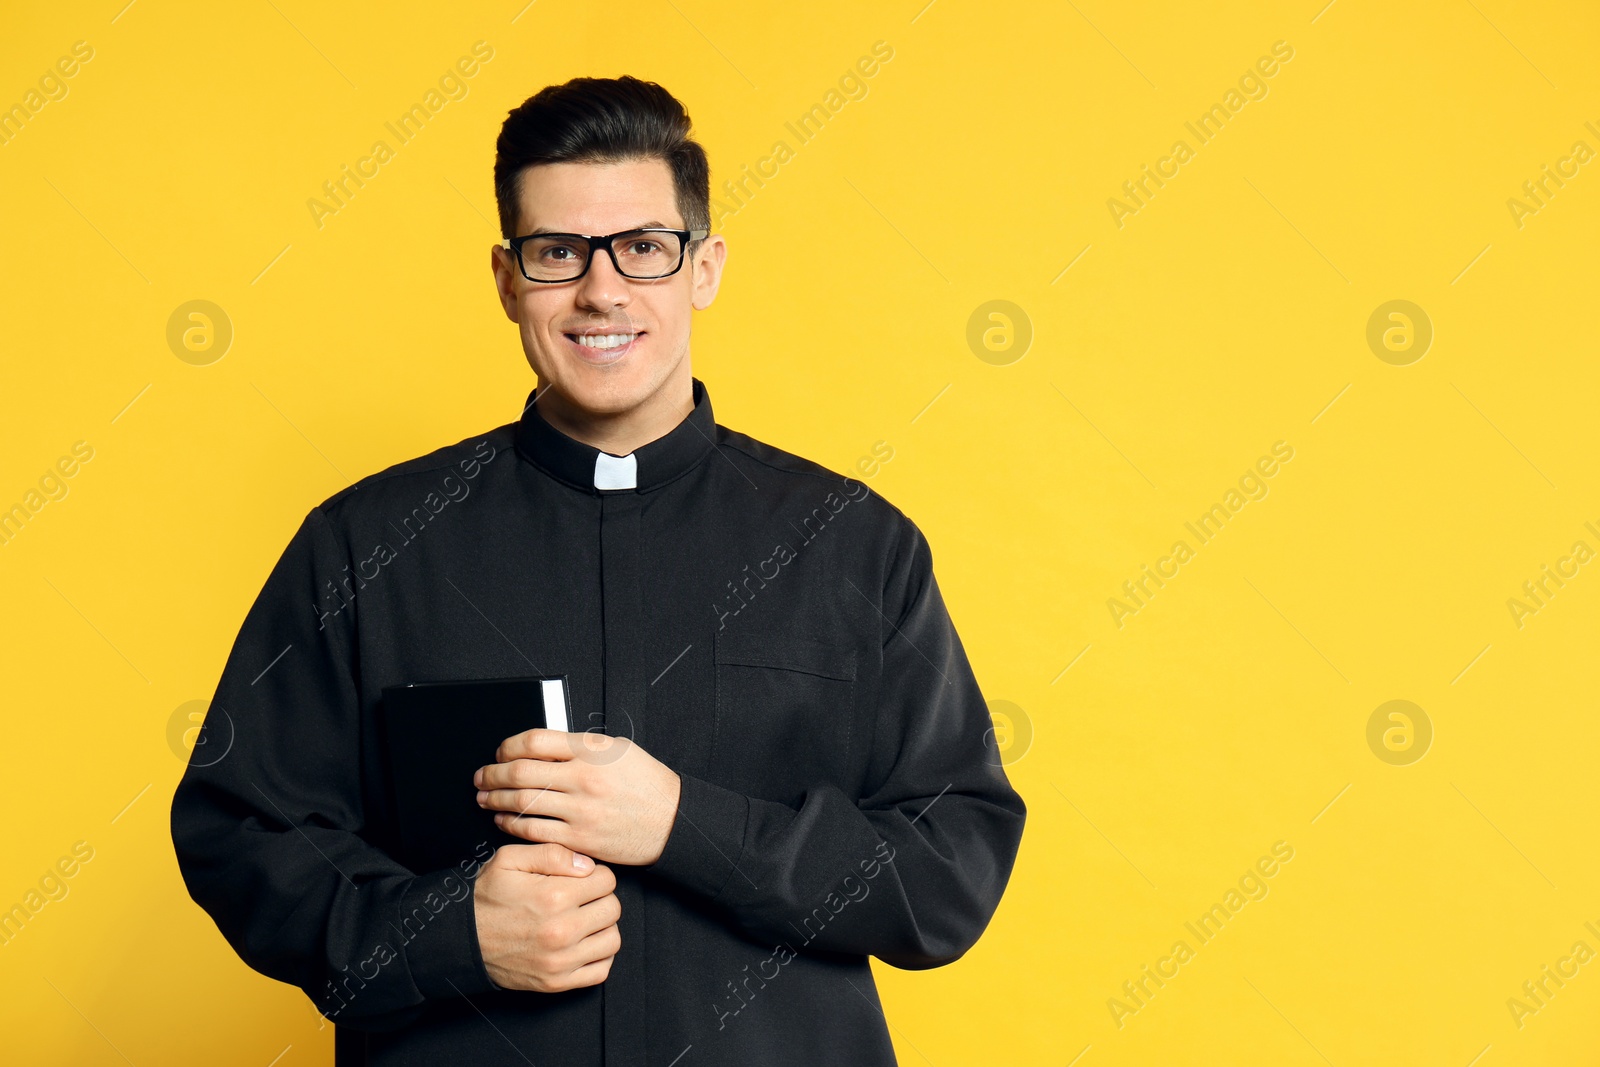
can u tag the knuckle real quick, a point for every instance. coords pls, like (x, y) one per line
(563, 932)
(549, 936)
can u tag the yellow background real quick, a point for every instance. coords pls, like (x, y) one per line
(1229, 313)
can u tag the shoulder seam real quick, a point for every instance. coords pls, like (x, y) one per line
(388, 473)
(773, 466)
(812, 474)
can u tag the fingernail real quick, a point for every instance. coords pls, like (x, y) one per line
(482, 796)
(581, 861)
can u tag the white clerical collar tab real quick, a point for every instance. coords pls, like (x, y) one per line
(616, 472)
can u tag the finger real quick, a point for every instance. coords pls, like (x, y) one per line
(522, 774)
(541, 831)
(528, 802)
(582, 892)
(590, 975)
(602, 944)
(546, 858)
(537, 743)
(596, 746)
(599, 913)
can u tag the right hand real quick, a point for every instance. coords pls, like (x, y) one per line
(543, 923)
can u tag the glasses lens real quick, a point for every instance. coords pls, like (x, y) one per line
(554, 258)
(647, 253)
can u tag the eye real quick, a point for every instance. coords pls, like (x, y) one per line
(555, 252)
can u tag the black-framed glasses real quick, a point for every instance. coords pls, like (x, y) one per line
(652, 252)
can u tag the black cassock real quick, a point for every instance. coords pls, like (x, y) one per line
(767, 628)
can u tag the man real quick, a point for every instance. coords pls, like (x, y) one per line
(780, 763)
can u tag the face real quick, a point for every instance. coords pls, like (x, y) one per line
(600, 198)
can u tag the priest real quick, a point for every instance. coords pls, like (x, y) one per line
(779, 762)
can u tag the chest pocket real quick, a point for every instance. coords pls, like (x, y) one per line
(785, 714)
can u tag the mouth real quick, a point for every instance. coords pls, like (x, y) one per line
(603, 348)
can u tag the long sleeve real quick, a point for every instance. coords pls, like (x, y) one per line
(912, 871)
(267, 821)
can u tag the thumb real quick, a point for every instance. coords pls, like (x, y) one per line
(544, 858)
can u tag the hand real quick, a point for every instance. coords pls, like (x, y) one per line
(609, 798)
(543, 923)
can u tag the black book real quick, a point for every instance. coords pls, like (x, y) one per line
(436, 735)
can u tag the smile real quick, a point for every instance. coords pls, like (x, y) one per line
(603, 340)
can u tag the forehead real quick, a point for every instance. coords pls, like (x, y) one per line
(597, 197)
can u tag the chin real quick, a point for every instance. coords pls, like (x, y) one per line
(608, 392)
(610, 389)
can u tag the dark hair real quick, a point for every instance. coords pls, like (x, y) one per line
(601, 120)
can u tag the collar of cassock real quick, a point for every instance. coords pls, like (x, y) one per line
(646, 467)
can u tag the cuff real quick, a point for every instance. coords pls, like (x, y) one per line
(706, 841)
(438, 929)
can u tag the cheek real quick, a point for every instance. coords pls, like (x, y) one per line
(540, 320)
(670, 321)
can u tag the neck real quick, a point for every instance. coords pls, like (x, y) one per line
(620, 432)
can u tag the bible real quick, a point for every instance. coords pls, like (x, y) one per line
(436, 735)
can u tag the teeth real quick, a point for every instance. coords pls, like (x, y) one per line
(606, 340)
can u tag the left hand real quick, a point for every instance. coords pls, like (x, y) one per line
(610, 798)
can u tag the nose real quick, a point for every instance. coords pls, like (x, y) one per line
(601, 286)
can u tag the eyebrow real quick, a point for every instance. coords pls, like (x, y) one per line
(653, 223)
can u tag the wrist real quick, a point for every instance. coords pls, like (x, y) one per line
(439, 930)
(706, 840)
(672, 793)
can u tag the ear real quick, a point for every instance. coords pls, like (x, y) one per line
(503, 263)
(706, 268)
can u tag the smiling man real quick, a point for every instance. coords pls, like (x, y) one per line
(770, 779)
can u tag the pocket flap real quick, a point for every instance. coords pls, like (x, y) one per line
(786, 653)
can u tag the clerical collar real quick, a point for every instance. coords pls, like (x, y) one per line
(646, 467)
